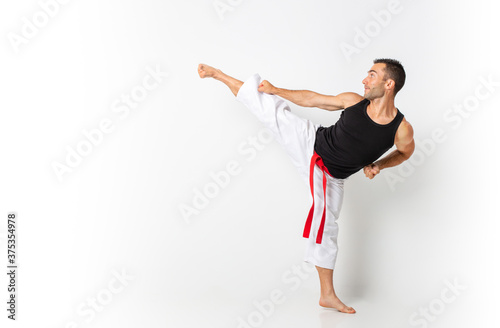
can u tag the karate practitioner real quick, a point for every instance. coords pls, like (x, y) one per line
(326, 156)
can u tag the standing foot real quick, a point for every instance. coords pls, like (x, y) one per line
(334, 302)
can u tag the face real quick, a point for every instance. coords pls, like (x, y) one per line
(375, 83)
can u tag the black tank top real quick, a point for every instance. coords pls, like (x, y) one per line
(354, 141)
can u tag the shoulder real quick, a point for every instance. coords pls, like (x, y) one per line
(350, 98)
(405, 131)
(404, 139)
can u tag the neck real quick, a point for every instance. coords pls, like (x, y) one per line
(382, 107)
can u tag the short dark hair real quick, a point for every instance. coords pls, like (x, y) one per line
(394, 71)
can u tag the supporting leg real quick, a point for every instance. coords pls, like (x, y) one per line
(328, 297)
(208, 71)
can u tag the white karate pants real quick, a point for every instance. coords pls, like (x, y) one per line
(297, 135)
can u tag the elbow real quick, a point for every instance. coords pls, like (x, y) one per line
(407, 154)
(407, 151)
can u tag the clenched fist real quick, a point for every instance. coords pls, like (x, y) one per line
(266, 87)
(371, 170)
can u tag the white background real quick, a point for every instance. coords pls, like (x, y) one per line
(118, 210)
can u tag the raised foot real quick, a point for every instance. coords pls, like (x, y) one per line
(335, 303)
(207, 71)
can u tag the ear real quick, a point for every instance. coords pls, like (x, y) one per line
(390, 84)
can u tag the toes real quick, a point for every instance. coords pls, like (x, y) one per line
(347, 309)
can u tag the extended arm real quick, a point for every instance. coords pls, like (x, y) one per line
(306, 98)
(405, 145)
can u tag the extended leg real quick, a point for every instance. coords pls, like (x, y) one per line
(295, 134)
(328, 297)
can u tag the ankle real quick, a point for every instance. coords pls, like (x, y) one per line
(218, 75)
(328, 294)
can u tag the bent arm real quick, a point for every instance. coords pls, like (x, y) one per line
(405, 145)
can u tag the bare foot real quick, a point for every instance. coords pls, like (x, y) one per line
(207, 71)
(335, 303)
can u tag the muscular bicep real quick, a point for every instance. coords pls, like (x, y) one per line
(340, 101)
(404, 139)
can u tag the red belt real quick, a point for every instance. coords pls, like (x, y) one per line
(316, 159)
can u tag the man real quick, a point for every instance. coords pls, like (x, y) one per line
(368, 127)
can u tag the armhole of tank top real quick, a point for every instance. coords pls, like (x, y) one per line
(397, 127)
(402, 116)
(356, 104)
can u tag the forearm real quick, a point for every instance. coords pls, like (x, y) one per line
(299, 97)
(394, 158)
